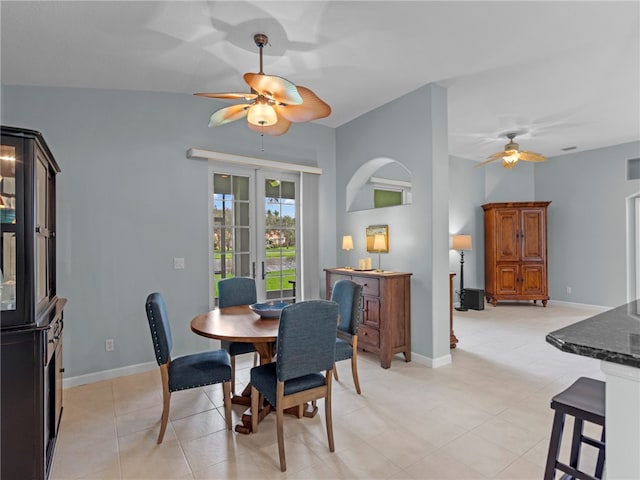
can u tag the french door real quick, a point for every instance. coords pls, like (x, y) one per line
(254, 230)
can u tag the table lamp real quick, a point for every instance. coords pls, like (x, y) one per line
(347, 244)
(461, 243)
(379, 245)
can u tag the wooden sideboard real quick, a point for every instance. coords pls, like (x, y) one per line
(386, 321)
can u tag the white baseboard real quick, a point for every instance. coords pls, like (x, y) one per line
(600, 308)
(108, 374)
(431, 362)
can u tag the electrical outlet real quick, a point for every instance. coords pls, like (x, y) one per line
(569, 290)
(108, 345)
(178, 263)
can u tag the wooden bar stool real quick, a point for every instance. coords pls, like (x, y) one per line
(584, 400)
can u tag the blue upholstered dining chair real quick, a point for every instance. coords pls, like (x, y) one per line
(189, 371)
(348, 295)
(232, 292)
(305, 348)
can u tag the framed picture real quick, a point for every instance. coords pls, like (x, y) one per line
(371, 233)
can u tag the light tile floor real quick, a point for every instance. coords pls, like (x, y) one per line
(486, 415)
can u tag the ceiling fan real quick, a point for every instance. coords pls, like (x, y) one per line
(512, 154)
(275, 102)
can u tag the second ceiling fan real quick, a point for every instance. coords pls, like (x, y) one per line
(275, 102)
(512, 154)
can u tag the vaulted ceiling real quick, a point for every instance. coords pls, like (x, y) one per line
(563, 73)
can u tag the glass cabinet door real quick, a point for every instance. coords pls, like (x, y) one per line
(42, 231)
(8, 223)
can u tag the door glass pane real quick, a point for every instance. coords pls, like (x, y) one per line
(42, 274)
(8, 220)
(241, 188)
(8, 274)
(41, 194)
(280, 239)
(231, 227)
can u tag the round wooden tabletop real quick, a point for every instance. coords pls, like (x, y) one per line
(236, 324)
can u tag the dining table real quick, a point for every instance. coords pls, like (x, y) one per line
(241, 324)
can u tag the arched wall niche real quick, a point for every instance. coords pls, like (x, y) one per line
(378, 173)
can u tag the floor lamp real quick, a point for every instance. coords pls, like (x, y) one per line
(347, 244)
(461, 243)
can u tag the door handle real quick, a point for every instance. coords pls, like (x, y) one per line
(263, 272)
(253, 270)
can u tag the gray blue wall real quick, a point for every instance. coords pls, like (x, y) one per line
(129, 201)
(411, 130)
(466, 194)
(587, 223)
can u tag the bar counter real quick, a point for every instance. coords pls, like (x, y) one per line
(613, 337)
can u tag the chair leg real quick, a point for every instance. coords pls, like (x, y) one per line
(554, 445)
(335, 373)
(233, 375)
(280, 425)
(226, 391)
(166, 401)
(576, 442)
(354, 365)
(255, 397)
(601, 455)
(327, 413)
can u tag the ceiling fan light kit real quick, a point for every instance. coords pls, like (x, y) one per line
(512, 154)
(275, 102)
(262, 113)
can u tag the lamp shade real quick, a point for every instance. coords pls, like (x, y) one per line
(347, 242)
(461, 242)
(379, 243)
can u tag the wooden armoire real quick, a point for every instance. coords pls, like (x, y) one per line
(515, 243)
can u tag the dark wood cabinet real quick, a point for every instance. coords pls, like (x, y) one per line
(32, 314)
(386, 320)
(515, 236)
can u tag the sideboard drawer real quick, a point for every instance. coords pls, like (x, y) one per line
(368, 336)
(370, 286)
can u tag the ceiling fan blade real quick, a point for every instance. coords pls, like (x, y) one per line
(491, 159)
(279, 128)
(229, 96)
(312, 108)
(497, 155)
(276, 88)
(228, 114)
(532, 157)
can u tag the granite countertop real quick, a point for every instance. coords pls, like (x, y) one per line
(613, 336)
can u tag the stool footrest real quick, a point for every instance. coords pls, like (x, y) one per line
(573, 473)
(593, 442)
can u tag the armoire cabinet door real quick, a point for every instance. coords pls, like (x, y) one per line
(507, 279)
(507, 235)
(533, 279)
(533, 235)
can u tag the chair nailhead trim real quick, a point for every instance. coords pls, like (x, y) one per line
(200, 385)
(154, 334)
